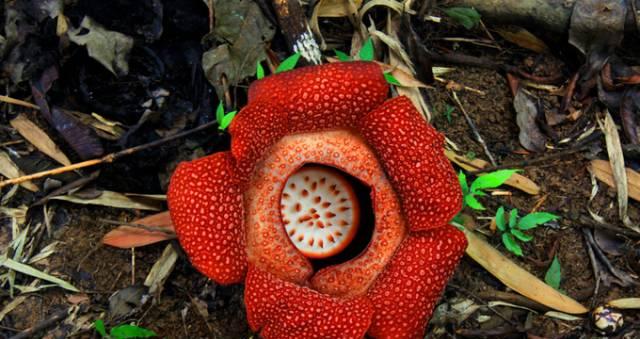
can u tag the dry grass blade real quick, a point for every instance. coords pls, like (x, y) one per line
(38, 138)
(10, 170)
(516, 180)
(116, 200)
(161, 270)
(625, 303)
(516, 278)
(616, 158)
(28, 270)
(18, 102)
(602, 170)
(157, 227)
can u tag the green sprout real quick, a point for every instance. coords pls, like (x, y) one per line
(513, 229)
(554, 274)
(288, 63)
(366, 54)
(448, 109)
(124, 331)
(224, 120)
(478, 186)
(259, 71)
(466, 16)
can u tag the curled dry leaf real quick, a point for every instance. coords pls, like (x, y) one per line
(530, 136)
(110, 48)
(128, 236)
(516, 278)
(161, 269)
(516, 180)
(38, 138)
(337, 8)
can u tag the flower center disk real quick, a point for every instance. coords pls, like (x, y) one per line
(320, 211)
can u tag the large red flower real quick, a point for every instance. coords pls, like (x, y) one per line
(332, 205)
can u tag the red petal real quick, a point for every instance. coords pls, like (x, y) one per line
(281, 309)
(256, 128)
(412, 154)
(206, 207)
(325, 96)
(406, 292)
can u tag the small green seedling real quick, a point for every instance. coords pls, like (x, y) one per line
(224, 120)
(366, 54)
(259, 70)
(288, 63)
(554, 274)
(123, 331)
(513, 229)
(478, 186)
(342, 56)
(448, 109)
(466, 16)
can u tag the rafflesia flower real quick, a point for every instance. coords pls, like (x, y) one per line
(332, 206)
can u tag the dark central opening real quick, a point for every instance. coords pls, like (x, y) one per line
(365, 231)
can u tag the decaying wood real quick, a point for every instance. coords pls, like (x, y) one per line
(548, 15)
(295, 28)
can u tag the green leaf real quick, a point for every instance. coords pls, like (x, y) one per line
(366, 52)
(259, 71)
(288, 63)
(473, 202)
(342, 56)
(532, 220)
(466, 16)
(219, 112)
(554, 274)
(99, 326)
(448, 109)
(226, 121)
(462, 179)
(511, 244)
(491, 180)
(131, 331)
(500, 222)
(521, 235)
(391, 79)
(513, 217)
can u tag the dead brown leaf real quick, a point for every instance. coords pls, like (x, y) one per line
(10, 170)
(38, 138)
(128, 236)
(602, 170)
(522, 38)
(518, 279)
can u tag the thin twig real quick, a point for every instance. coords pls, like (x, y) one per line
(109, 158)
(472, 125)
(54, 319)
(534, 161)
